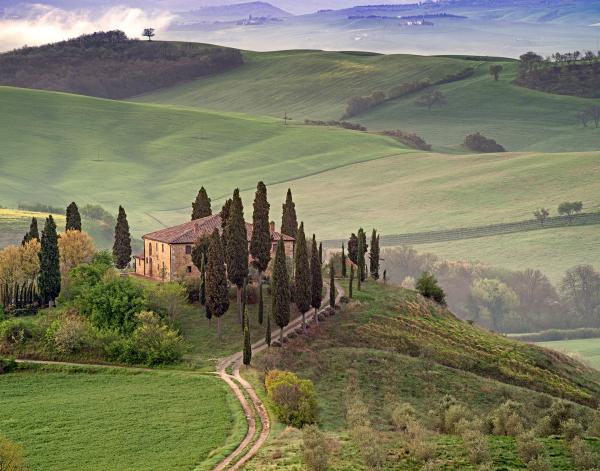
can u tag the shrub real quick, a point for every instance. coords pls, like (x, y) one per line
(593, 429)
(360, 104)
(18, 330)
(538, 464)
(476, 446)
(571, 429)
(506, 419)
(479, 143)
(428, 286)
(454, 415)
(7, 365)
(68, 334)
(11, 456)
(294, 400)
(167, 299)
(150, 344)
(409, 87)
(418, 443)
(529, 447)
(583, 456)
(559, 412)
(369, 444)
(408, 139)
(402, 415)
(314, 449)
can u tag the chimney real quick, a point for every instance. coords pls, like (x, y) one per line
(272, 227)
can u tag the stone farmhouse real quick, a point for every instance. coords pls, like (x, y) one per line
(168, 252)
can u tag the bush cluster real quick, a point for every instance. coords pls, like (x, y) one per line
(315, 452)
(360, 104)
(294, 400)
(7, 365)
(408, 139)
(339, 124)
(479, 143)
(428, 287)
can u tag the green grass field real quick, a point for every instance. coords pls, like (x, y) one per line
(70, 419)
(587, 350)
(317, 85)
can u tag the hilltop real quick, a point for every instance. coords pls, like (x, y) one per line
(110, 65)
(236, 11)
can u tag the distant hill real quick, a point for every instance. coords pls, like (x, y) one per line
(110, 65)
(238, 11)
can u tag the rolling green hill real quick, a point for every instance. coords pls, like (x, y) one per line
(318, 85)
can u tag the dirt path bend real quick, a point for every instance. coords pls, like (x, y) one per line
(255, 410)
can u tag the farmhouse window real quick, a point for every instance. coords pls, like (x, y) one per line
(188, 249)
(189, 269)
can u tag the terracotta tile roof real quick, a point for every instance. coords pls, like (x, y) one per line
(189, 232)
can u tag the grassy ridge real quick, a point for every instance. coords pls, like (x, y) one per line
(136, 418)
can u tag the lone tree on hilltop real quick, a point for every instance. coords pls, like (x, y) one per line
(431, 99)
(236, 254)
(289, 220)
(374, 255)
(33, 232)
(260, 243)
(303, 293)
(280, 290)
(217, 293)
(73, 218)
(149, 33)
(495, 71)
(201, 206)
(316, 278)
(541, 215)
(49, 279)
(122, 245)
(428, 286)
(570, 208)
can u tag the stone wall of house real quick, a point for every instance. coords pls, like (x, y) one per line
(181, 261)
(158, 256)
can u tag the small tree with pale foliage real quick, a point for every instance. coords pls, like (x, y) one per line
(74, 247)
(315, 452)
(541, 215)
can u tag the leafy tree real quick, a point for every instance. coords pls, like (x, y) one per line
(303, 288)
(534, 290)
(122, 245)
(569, 208)
(343, 261)
(316, 278)
(247, 356)
(149, 33)
(294, 400)
(580, 288)
(49, 281)
(332, 290)
(168, 300)
(374, 255)
(73, 218)
(431, 99)
(594, 113)
(33, 232)
(261, 303)
(289, 220)
(480, 143)
(201, 207)
(495, 71)
(428, 286)
(495, 299)
(351, 282)
(236, 255)
(541, 215)
(217, 295)
(260, 243)
(75, 247)
(583, 117)
(280, 290)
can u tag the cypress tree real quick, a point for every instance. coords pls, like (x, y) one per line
(73, 218)
(217, 294)
(384, 277)
(303, 294)
(33, 232)
(374, 255)
(247, 345)
(260, 243)
(245, 294)
(343, 261)
(353, 248)
(261, 303)
(49, 278)
(362, 236)
(201, 207)
(289, 220)
(361, 262)
(316, 278)
(332, 290)
(321, 252)
(225, 210)
(122, 245)
(236, 251)
(351, 283)
(268, 332)
(280, 291)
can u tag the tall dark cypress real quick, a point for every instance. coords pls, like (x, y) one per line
(217, 293)
(351, 282)
(280, 290)
(73, 218)
(303, 288)
(261, 304)
(49, 279)
(361, 261)
(33, 232)
(332, 290)
(236, 251)
(268, 331)
(353, 248)
(316, 278)
(343, 262)
(202, 297)
(122, 245)
(362, 236)
(374, 255)
(321, 252)
(225, 210)
(247, 356)
(201, 207)
(260, 244)
(289, 220)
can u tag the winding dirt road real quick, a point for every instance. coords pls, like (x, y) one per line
(256, 413)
